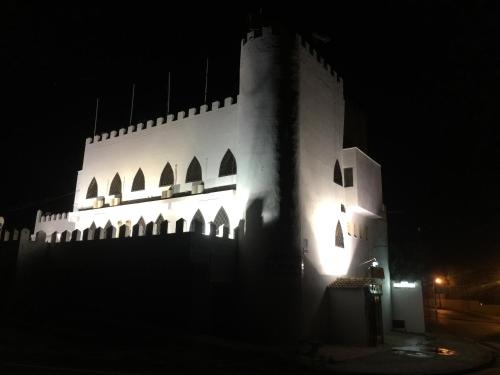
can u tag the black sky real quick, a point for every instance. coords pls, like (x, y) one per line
(426, 74)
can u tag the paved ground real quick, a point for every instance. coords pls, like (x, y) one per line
(468, 325)
(483, 329)
(406, 354)
(457, 342)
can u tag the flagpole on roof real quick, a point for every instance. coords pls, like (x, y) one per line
(206, 82)
(96, 112)
(132, 104)
(168, 95)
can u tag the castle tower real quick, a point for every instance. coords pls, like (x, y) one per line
(267, 183)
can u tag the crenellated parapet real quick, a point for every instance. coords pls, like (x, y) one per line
(159, 227)
(302, 41)
(52, 217)
(161, 121)
(259, 32)
(315, 54)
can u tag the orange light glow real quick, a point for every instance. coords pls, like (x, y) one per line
(438, 280)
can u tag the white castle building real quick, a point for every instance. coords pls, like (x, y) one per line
(275, 152)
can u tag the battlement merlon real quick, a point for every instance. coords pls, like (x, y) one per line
(269, 31)
(160, 121)
(53, 222)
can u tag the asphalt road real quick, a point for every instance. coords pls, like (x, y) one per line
(473, 326)
(481, 328)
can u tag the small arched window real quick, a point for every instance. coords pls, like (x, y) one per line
(221, 219)
(167, 176)
(197, 223)
(339, 236)
(109, 230)
(194, 171)
(116, 185)
(227, 165)
(138, 183)
(92, 190)
(140, 228)
(337, 174)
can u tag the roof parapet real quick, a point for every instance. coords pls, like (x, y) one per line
(192, 112)
(52, 217)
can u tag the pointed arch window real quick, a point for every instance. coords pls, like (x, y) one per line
(167, 176)
(139, 229)
(109, 230)
(194, 171)
(227, 165)
(161, 225)
(138, 183)
(116, 185)
(197, 223)
(179, 225)
(339, 236)
(92, 189)
(221, 218)
(337, 174)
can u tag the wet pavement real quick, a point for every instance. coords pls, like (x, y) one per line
(404, 354)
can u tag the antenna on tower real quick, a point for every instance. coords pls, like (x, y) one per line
(132, 104)
(206, 82)
(96, 112)
(168, 95)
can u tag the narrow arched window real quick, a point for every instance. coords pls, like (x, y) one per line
(337, 174)
(227, 165)
(221, 218)
(167, 176)
(140, 228)
(194, 171)
(116, 185)
(197, 223)
(138, 183)
(161, 225)
(339, 236)
(109, 230)
(92, 190)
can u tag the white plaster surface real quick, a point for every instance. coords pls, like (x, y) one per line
(408, 305)
(249, 129)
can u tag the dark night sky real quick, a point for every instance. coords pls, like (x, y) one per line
(426, 75)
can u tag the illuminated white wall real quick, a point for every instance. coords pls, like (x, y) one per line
(321, 119)
(321, 129)
(365, 196)
(205, 135)
(408, 306)
(258, 122)
(51, 223)
(171, 209)
(251, 130)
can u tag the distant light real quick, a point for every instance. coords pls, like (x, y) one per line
(438, 280)
(404, 284)
(374, 263)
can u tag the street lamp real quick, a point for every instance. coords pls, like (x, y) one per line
(438, 281)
